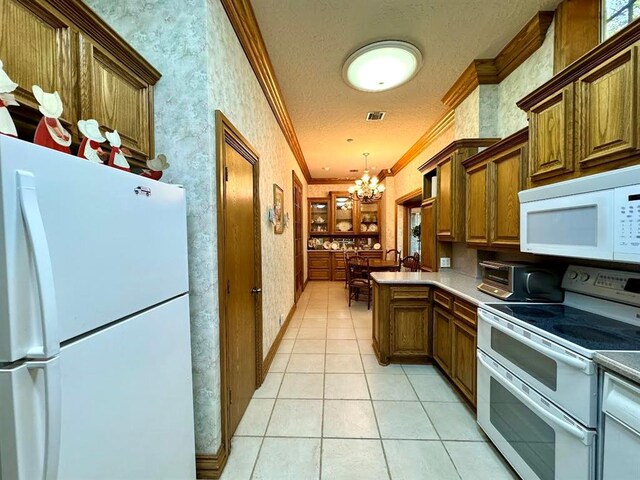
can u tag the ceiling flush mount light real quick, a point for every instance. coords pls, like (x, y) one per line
(382, 66)
(366, 189)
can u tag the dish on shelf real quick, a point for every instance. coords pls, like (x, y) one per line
(344, 226)
(335, 246)
(373, 227)
(320, 220)
(376, 246)
(326, 245)
(363, 227)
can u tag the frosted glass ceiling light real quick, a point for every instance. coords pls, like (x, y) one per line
(382, 66)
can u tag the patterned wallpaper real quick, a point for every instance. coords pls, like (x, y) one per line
(535, 71)
(204, 69)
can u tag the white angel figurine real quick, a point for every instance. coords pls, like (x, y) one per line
(50, 132)
(156, 166)
(7, 127)
(116, 157)
(90, 145)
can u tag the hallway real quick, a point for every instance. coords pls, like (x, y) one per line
(328, 410)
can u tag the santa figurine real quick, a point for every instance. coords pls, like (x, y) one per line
(156, 166)
(7, 127)
(90, 145)
(50, 133)
(116, 157)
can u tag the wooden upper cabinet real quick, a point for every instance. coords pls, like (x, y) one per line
(607, 110)
(477, 217)
(116, 97)
(446, 208)
(450, 219)
(507, 178)
(584, 120)
(63, 46)
(428, 240)
(551, 124)
(36, 49)
(494, 178)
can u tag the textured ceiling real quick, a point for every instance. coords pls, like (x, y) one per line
(309, 40)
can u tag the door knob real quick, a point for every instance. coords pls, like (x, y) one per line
(256, 290)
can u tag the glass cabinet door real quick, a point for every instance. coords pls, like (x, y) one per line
(369, 218)
(319, 215)
(343, 213)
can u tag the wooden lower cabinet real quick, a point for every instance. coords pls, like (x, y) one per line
(319, 265)
(454, 341)
(463, 365)
(442, 347)
(401, 323)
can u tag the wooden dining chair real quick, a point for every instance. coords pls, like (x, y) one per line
(394, 254)
(411, 263)
(359, 279)
(346, 255)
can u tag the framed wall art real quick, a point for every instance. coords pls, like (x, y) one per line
(278, 210)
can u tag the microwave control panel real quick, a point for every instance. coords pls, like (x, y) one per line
(627, 223)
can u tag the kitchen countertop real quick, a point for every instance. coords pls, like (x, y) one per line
(459, 284)
(626, 364)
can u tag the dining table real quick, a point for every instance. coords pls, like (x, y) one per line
(383, 265)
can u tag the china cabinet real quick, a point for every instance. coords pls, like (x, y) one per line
(319, 215)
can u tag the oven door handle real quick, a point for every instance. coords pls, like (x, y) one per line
(570, 429)
(566, 359)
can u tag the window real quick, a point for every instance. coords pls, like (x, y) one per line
(618, 14)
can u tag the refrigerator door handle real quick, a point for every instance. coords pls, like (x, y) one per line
(53, 409)
(44, 273)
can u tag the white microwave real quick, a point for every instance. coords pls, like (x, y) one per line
(596, 217)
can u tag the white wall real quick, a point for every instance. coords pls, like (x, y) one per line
(204, 68)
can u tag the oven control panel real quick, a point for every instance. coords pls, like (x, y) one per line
(616, 285)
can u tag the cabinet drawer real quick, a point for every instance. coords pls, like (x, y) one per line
(410, 293)
(443, 298)
(465, 311)
(319, 262)
(371, 254)
(319, 274)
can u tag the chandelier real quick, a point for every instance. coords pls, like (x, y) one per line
(367, 189)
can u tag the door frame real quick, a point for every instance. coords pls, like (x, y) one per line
(227, 133)
(296, 180)
(410, 200)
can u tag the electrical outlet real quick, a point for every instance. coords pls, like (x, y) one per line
(445, 262)
(281, 318)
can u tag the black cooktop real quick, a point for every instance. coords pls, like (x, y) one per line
(586, 329)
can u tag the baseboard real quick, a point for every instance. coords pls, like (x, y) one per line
(305, 284)
(210, 466)
(266, 363)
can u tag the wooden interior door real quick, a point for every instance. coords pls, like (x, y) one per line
(240, 243)
(298, 240)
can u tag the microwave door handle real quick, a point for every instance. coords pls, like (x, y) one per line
(39, 247)
(571, 429)
(566, 359)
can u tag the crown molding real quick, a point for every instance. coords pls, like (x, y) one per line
(494, 70)
(332, 181)
(442, 124)
(244, 23)
(456, 145)
(518, 138)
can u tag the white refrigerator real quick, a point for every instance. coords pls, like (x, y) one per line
(95, 358)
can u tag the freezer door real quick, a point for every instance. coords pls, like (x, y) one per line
(110, 244)
(122, 408)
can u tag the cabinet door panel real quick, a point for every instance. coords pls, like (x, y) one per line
(409, 325)
(117, 99)
(506, 181)
(445, 205)
(428, 239)
(442, 351)
(463, 371)
(35, 47)
(607, 110)
(551, 136)
(478, 206)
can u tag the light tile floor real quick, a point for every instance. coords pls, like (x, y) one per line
(327, 410)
